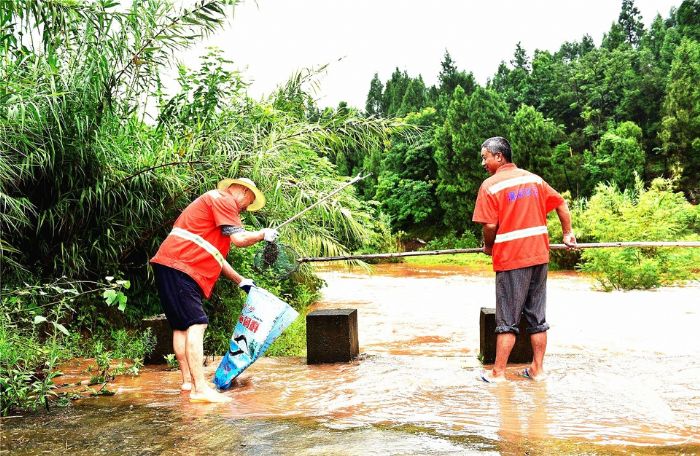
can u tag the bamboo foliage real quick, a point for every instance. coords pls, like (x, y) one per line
(89, 188)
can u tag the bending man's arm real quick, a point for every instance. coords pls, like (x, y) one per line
(242, 238)
(231, 273)
(565, 220)
(247, 238)
(489, 230)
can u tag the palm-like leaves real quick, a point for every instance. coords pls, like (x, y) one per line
(91, 189)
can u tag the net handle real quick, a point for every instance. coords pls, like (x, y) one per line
(357, 178)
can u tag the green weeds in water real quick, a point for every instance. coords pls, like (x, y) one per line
(34, 340)
(172, 361)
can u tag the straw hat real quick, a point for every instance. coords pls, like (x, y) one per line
(259, 200)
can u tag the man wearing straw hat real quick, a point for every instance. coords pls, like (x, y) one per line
(188, 264)
(512, 206)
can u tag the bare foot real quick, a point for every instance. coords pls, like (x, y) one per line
(208, 395)
(186, 386)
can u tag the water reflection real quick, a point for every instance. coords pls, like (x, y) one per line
(614, 385)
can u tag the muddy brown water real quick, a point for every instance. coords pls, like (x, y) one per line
(624, 378)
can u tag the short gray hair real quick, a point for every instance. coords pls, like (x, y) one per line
(499, 144)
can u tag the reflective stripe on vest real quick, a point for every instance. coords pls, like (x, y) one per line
(519, 234)
(528, 179)
(200, 241)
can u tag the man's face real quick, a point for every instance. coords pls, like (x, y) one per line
(490, 162)
(244, 196)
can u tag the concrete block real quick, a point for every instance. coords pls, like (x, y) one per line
(164, 338)
(331, 336)
(522, 350)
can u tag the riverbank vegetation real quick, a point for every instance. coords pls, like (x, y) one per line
(609, 125)
(98, 158)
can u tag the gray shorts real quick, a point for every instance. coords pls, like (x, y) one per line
(521, 292)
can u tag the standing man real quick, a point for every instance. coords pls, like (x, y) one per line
(512, 206)
(189, 262)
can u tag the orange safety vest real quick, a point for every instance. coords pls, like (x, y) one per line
(196, 245)
(518, 202)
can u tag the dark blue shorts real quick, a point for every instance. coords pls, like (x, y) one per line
(180, 297)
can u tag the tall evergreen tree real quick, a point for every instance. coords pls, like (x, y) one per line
(394, 91)
(654, 40)
(614, 38)
(630, 21)
(373, 106)
(532, 138)
(450, 77)
(520, 58)
(680, 132)
(406, 184)
(688, 19)
(513, 83)
(415, 97)
(618, 157)
(469, 121)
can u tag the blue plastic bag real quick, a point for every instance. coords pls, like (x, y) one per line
(263, 319)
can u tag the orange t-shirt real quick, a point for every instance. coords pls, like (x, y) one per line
(518, 202)
(196, 245)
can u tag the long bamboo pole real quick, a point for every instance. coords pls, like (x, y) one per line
(595, 245)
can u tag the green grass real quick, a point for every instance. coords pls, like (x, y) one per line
(292, 342)
(476, 261)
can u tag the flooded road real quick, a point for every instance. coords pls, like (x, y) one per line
(624, 377)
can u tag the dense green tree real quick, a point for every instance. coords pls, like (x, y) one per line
(450, 77)
(618, 157)
(406, 184)
(407, 202)
(672, 39)
(554, 92)
(680, 131)
(469, 121)
(688, 19)
(654, 39)
(570, 51)
(532, 138)
(630, 21)
(614, 38)
(512, 83)
(415, 98)
(373, 106)
(603, 76)
(394, 91)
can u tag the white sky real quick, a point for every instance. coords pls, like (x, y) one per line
(270, 39)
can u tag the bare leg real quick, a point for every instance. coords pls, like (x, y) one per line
(180, 347)
(504, 345)
(539, 346)
(201, 392)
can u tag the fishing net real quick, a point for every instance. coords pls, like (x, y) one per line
(276, 260)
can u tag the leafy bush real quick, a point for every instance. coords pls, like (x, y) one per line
(121, 343)
(639, 214)
(451, 241)
(34, 338)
